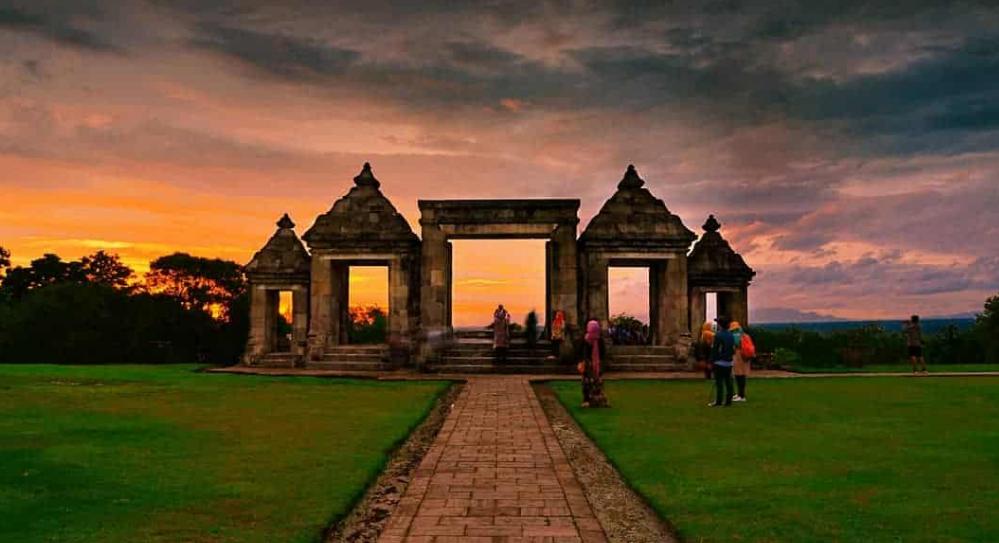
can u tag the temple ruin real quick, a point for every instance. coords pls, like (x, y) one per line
(363, 228)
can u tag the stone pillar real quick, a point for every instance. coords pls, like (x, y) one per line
(273, 298)
(449, 285)
(698, 310)
(671, 299)
(340, 303)
(549, 279)
(596, 290)
(300, 319)
(565, 274)
(655, 278)
(433, 280)
(399, 332)
(739, 306)
(412, 266)
(320, 307)
(256, 344)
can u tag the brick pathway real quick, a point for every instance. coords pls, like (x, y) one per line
(495, 473)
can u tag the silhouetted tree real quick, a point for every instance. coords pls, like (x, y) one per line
(367, 325)
(106, 269)
(4, 261)
(47, 270)
(207, 284)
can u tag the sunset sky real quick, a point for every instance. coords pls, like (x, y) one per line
(850, 152)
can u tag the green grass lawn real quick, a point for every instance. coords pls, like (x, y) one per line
(901, 368)
(133, 453)
(830, 459)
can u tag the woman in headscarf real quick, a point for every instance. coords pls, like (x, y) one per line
(501, 333)
(558, 333)
(593, 353)
(702, 350)
(740, 364)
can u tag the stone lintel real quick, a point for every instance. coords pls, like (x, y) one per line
(281, 286)
(498, 230)
(520, 212)
(715, 288)
(362, 259)
(278, 278)
(718, 281)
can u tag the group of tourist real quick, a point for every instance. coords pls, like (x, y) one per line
(591, 351)
(723, 352)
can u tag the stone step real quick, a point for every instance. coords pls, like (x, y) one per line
(638, 367)
(466, 351)
(640, 349)
(277, 360)
(340, 365)
(499, 368)
(358, 349)
(517, 360)
(354, 357)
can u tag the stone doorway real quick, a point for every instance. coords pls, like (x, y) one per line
(442, 221)
(518, 280)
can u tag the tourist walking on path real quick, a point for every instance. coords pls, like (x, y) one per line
(914, 342)
(558, 333)
(702, 349)
(593, 354)
(722, 353)
(501, 333)
(740, 361)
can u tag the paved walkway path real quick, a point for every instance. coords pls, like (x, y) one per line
(495, 472)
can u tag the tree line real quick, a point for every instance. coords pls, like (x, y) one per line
(873, 344)
(97, 310)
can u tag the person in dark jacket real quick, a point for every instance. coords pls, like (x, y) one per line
(722, 353)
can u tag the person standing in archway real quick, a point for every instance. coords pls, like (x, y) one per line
(558, 333)
(501, 333)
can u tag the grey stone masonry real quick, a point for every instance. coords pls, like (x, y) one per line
(634, 228)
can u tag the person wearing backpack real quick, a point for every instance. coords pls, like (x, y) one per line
(722, 352)
(745, 351)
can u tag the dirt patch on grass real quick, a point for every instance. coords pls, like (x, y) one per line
(624, 515)
(366, 520)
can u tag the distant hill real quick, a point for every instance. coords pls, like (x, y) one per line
(787, 314)
(930, 325)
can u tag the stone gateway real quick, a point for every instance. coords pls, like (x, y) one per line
(363, 228)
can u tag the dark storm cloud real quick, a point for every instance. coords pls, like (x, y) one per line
(954, 91)
(277, 54)
(60, 23)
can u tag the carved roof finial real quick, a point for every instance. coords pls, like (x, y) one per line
(711, 225)
(631, 179)
(366, 178)
(285, 222)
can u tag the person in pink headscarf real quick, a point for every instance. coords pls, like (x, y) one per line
(594, 352)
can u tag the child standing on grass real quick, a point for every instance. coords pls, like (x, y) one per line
(914, 341)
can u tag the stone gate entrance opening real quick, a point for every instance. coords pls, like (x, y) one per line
(497, 271)
(367, 298)
(629, 296)
(443, 221)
